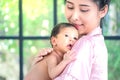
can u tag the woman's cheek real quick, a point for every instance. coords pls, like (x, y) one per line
(67, 14)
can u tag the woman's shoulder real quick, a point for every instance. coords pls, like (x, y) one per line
(85, 40)
(84, 43)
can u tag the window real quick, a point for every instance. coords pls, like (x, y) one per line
(25, 26)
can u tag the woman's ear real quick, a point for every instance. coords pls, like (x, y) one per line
(53, 41)
(103, 11)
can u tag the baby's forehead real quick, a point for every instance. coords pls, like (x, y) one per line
(68, 30)
(64, 29)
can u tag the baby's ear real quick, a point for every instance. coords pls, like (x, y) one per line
(53, 41)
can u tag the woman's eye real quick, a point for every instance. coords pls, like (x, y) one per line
(70, 7)
(84, 10)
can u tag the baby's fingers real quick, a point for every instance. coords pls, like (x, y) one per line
(71, 53)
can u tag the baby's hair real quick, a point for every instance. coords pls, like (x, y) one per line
(55, 31)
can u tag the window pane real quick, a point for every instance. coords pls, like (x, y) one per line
(37, 17)
(113, 59)
(9, 18)
(31, 48)
(112, 20)
(60, 11)
(9, 60)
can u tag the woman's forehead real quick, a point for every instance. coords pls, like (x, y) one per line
(81, 2)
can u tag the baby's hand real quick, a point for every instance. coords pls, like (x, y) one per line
(69, 56)
(42, 53)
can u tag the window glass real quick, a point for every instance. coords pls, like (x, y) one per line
(37, 17)
(113, 47)
(32, 48)
(9, 18)
(9, 60)
(112, 20)
(61, 11)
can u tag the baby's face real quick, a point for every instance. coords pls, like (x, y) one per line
(66, 39)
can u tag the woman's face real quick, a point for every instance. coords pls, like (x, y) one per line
(84, 14)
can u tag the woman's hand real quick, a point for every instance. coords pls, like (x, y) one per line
(41, 54)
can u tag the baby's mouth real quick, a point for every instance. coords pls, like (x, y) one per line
(70, 46)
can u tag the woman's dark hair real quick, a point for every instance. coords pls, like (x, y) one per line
(58, 27)
(100, 3)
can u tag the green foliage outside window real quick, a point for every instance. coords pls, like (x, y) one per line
(9, 18)
(37, 17)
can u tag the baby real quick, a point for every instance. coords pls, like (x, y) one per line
(63, 37)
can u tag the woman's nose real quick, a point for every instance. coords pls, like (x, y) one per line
(75, 16)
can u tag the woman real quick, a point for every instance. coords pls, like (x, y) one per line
(92, 56)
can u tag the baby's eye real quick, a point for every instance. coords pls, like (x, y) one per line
(75, 38)
(66, 35)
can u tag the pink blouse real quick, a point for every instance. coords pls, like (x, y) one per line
(91, 59)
